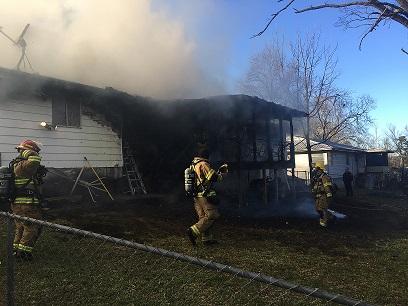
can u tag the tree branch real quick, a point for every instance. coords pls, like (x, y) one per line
(272, 18)
(361, 12)
(332, 5)
(373, 27)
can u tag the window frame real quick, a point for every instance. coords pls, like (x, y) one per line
(67, 104)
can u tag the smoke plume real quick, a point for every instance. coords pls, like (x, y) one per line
(124, 44)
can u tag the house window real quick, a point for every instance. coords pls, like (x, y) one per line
(66, 113)
(347, 159)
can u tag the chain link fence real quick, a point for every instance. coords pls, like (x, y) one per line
(76, 267)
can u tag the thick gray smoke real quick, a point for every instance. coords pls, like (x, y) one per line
(124, 44)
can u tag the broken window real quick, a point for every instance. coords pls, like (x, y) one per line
(66, 113)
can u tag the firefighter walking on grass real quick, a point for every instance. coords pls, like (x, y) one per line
(322, 190)
(27, 197)
(205, 197)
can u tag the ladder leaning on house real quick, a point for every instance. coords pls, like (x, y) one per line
(132, 173)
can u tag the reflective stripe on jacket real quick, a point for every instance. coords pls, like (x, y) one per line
(323, 186)
(24, 171)
(206, 176)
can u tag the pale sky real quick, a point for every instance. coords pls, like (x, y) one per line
(194, 48)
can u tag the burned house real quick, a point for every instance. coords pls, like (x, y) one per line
(253, 136)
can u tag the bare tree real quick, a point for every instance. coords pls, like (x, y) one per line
(369, 14)
(399, 143)
(343, 118)
(373, 140)
(316, 75)
(305, 79)
(272, 76)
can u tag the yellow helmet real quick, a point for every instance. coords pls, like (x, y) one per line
(319, 165)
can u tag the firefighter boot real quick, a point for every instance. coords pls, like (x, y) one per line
(322, 220)
(323, 223)
(192, 236)
(208, 238)
(210, 242)
(26, 256)
(325, 219)
(23, 255)
(16, 253)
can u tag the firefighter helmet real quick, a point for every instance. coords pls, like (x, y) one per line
(28, 145)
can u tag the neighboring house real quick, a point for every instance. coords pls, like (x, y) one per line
(334, 157)
(377, 160)
(377, 168)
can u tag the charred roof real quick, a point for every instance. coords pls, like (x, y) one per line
(117, 104)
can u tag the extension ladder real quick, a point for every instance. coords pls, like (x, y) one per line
(132, 173)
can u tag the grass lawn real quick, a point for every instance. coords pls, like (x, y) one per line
(363, 257)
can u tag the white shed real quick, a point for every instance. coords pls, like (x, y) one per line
(335, 158)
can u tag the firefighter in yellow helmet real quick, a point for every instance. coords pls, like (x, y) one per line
(322, 190)
(205, 200)
(26, 199)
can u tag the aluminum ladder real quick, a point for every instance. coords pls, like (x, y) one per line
(132, 173)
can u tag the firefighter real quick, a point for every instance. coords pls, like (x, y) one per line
(27, 197)
(322, 190)
(205, 200)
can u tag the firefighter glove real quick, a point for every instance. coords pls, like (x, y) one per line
(223, 169)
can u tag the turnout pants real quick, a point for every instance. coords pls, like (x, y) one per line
(26, 233)
(322, 205)
(207, 214)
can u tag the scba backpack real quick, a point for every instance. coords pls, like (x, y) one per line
(8, 189)
(6, 183)
(191, 187)
(190, 181)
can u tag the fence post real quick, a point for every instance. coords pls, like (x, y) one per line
(10, 263)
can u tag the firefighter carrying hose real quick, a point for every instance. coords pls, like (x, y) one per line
(205, 198)
(322, 190)
(26, 198)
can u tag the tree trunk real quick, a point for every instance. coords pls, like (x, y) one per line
(308, 146)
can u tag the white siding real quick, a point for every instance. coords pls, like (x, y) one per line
(61, 148)
(361, 163)
(302, 164)
(339, 162)
(335, 164)
(302, 160)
